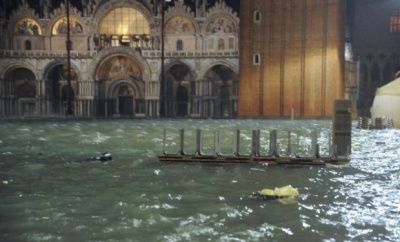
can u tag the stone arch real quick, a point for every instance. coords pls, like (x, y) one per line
(56, 85)
(218, 87)
(119, 75)
(17, 64)
(177, 83)
(228, 64)
(134, 88)
(124, 94)
(180, 72)
(23, 79)
(19, 85)
(52, 64)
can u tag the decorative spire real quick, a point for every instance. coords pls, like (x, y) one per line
(87, 7)
(200, 8)
(45, 7)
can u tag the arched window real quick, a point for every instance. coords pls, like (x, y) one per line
(256, 59)
(28, 45)
(387, 73)
(395, 23)
(257, 16)
(124, 21)
(364, 76)
(375, 73)
(179, 45)
(221, 44)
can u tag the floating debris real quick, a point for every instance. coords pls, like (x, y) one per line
(277, 193)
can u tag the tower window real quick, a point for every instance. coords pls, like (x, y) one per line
(395, 23)
(256, 59)
(257, 16)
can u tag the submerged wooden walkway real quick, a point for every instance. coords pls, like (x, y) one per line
(273, 158)
(339, 148)
(263, 160)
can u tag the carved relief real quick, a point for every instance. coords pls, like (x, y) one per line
(179, 25)
(119, 67)
(60, 27)
(27, 26)
(220, 25)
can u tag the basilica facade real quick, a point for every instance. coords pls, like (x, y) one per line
(127, 58)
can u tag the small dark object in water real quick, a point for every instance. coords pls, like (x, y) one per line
(105, 157)
(264, 197)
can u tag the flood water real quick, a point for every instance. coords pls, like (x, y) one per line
(48, 194)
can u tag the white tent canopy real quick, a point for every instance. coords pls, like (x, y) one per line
(387, 102)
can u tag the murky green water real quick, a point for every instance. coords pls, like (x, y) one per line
(48, 194)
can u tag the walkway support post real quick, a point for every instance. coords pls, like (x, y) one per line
(199, 141)
(314, 142)
(255, 143)
(289, 145)
(273, 146)
(341, 130)
(236, 143)
(216, 143)
(163, 147)
(181, 142)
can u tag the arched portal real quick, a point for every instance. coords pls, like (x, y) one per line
(176, 95)
(219, 92)
(57, 87)
(20, 92)
(120, 87)
(125, 100)
(182, 101)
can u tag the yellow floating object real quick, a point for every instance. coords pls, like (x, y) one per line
(267, 192)
(286, 191)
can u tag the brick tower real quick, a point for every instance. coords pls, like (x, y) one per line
(291, 57)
